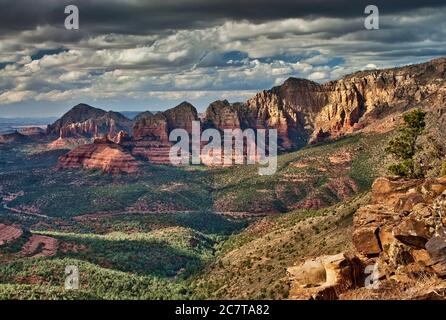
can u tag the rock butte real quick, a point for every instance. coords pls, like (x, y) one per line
(102, 154)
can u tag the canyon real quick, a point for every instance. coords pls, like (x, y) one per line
(302, 111)
(93, 190)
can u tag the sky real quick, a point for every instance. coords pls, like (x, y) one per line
(151, 55)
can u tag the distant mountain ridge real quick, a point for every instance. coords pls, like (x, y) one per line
(301, 110)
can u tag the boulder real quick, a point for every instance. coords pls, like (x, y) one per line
(412, 232)
(407, 202)
(436, 247)
(389, 191)
(367, 223)
(422, 256)
(366, 241)
(311, 273)
(324, 277)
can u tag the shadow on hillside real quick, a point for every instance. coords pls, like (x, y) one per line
(142, 257)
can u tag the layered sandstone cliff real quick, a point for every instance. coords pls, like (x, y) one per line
(151, 127)
(362, 99)
(223, 115)
(304, 111)
(104, 155)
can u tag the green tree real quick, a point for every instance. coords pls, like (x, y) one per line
(403, 146)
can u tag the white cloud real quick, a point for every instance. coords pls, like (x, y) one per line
(191, 63)
(318, 75)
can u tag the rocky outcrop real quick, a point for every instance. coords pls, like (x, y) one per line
(151, 132)
(153, 151)
(324, 277)
(9, 234)
(431, 144)
(33, 246)
(181, 117)
(222, 115)
(302, 111)
(104, 155)
(156, 127)
(358, 100)
(14, 137)
(401, 233)
(289, 108)
(29, 134)
(34, 132)
(84, 121)
(151, 127)
(67, 143)
(401, 210)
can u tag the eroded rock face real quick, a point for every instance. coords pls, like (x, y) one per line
(301, 110)
(356, 100)
(181, 117)
(157, 127)
(401, 210)
(304, 111)
(151, 127)
(151, 132)
(223, 115)
(103, 155)
(407, 218)
(290, 108)
(84, 121)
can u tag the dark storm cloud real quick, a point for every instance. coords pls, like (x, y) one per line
(145, 17)
(162, 50)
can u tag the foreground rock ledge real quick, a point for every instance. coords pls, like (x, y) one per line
(401, 233)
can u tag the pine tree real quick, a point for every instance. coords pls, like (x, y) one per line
(403, 146)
